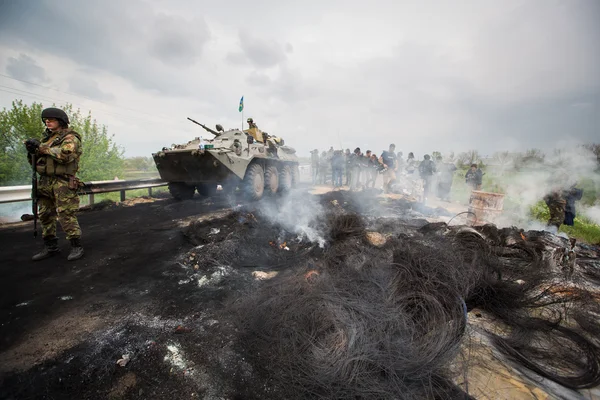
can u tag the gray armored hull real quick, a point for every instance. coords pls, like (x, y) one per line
(228, 160)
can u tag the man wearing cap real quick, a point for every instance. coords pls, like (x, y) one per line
(57, 163)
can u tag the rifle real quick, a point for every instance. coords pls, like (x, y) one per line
(34, 199)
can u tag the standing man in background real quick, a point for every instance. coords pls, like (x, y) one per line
(556, 205)
(57, 163)
(571, 195)
(390, 163)
(446, 178)
(426, 171)
(314, 164)
(474, 177)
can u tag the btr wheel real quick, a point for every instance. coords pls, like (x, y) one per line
(254, 182)
(271, 179)
(295, 176)
(285, 179)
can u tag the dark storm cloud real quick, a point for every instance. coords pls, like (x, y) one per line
(25, 68)
(88, 87)
(108, 36)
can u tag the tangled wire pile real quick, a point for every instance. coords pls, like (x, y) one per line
(364, 321)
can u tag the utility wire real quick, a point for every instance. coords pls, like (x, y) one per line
(78, 95)
(42, 97)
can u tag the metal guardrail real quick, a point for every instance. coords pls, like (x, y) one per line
(12, 194)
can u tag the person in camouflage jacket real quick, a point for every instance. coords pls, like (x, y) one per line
(57, 163)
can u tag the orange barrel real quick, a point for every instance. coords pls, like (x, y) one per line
(484, 207)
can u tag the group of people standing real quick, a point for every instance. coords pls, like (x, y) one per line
(361, 170)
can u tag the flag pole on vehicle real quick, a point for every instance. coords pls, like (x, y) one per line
(241, 109)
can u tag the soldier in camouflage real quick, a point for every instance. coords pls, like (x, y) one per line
(556, 204)
(57, 163)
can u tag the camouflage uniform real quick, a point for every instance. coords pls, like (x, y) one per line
(57, 163)
(556, 204)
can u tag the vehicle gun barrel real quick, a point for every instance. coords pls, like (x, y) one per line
(205, 127)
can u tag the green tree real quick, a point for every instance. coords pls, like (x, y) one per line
(139, 163)
(102, 158)
(467, 158)
(16, 125)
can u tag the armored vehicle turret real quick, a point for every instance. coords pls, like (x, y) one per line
(253, 161)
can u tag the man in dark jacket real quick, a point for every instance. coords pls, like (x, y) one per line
(474, 177)
(571, 196)
(390, 165)
(337, 168)
(426, 171)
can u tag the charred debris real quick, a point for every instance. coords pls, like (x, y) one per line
(347, 296)
(386, 306)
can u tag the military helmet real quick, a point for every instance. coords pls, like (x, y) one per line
(55, 113)
(249, 120)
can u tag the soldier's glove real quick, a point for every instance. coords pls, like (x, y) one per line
(32, 145)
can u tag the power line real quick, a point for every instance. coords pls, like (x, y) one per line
(42, 97)
(82, 96)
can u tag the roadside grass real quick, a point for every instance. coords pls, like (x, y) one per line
(134, 174)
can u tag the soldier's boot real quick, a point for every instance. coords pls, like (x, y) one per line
(50, 249)
(76, 250)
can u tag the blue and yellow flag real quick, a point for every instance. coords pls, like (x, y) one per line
(241, 104)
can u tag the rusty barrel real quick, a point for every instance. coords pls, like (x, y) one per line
(484, 207)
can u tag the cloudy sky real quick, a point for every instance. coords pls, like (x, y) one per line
(426, 75)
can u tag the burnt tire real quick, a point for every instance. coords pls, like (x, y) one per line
(285, 179)
(206, 189)
(295, 176)
(271, 179)
(254, 182)
(181, 191)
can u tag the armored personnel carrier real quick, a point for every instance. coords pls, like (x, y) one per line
(252, 161)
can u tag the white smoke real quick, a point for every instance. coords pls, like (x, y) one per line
(524, 186)
(297, 212)
(593, 213)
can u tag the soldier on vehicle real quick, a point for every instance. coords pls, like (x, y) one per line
(57, 164)
(254, 131)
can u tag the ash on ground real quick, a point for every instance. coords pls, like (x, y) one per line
(347, 296)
